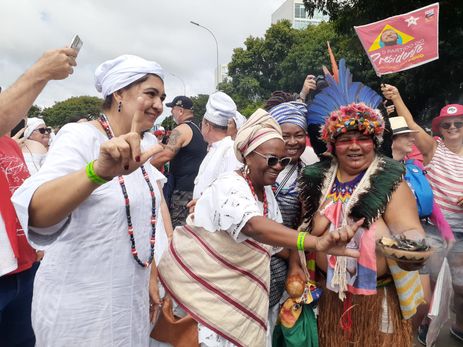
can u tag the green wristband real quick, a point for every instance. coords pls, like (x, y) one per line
(300, 240)
(92, 176)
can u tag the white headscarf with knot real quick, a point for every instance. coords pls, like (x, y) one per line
(239, 120)
(259, 128)
(31, 125)
(118, 73)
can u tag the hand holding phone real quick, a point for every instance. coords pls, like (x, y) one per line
(76, 43)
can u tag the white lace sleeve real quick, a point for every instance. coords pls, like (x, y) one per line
(227, 205)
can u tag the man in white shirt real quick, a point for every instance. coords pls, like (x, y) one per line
(220, 158)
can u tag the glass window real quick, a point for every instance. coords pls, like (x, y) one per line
(299, 11)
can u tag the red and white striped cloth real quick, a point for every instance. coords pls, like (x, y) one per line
(445, 174)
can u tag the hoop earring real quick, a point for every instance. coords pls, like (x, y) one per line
(119, 106)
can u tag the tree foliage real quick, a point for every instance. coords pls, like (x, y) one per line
(426, 88)
(284, 56)
(34, 111)
(71, 110)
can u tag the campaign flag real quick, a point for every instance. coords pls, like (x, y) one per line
(402, 42)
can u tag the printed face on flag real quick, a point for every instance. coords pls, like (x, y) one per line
(402, 42)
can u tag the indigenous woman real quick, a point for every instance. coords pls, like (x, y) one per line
(360, 305)
(443, 160)
(100, 216)
(218, 266)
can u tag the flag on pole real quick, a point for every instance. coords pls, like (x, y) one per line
(402, 42)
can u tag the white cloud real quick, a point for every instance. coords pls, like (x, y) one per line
(158, 30)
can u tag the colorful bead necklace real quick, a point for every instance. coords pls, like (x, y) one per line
(265, 202)
(342, 191)
(105, 124)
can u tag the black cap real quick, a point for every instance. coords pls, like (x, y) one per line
(181, 101)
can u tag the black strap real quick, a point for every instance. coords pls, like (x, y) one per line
(285, 180)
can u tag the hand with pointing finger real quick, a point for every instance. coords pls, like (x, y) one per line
(122, 155)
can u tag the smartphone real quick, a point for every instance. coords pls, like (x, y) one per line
(76, 43)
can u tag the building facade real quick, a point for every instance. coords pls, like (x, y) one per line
(294, 11)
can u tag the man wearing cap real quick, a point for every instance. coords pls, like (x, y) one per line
(185, 150)
(220, 108)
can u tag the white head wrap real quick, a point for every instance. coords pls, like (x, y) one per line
(259, 128)
(220, 108)
(118, 73)
(239, 119)
(31, 125)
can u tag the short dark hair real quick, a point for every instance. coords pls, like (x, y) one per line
(108, 101)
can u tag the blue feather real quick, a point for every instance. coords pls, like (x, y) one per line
(336, 95)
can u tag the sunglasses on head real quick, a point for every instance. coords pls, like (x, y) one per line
(273, 160)
(447, 125)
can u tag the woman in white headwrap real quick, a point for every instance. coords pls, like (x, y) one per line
(217, 267)
(100, 215)
(35, 144)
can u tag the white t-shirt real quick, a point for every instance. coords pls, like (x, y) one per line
(89, 291)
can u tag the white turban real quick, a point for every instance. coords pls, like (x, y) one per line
(31, 125)
(220, 108)
(239, 119)
(259, 128)
(118, 73)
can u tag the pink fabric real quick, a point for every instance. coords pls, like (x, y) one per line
(361, 272)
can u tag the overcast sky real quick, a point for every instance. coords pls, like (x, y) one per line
(157, 30)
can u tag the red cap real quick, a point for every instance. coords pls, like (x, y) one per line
(452, 110)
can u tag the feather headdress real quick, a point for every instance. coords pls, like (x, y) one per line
(344, 106)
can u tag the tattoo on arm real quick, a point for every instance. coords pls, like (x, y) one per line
(173, 143)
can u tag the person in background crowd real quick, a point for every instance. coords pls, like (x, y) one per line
(429, 212)
(236, 221)
(234, 124)
(17, 258)
(160, 133)
(185, 150)
(99, 214)
(35, 146)
(443, 160)
(220, 158)
(291, 116)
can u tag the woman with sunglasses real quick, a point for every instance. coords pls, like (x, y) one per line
(443, 160)
(97, 210)
(35, 145)
(218, 265)
(291, 116)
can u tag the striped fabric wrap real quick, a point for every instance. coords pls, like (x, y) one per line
(222, 284)
(408, 287)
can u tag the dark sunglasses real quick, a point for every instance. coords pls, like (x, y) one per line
(44, 130)
(447, 125)
(272, 160)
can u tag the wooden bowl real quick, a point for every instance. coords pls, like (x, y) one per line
(405, 256)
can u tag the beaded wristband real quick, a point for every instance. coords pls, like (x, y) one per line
(92, 176)
(300, 240)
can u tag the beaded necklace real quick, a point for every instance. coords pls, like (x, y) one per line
(342, 191)
(265, 202)
(105, 124)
